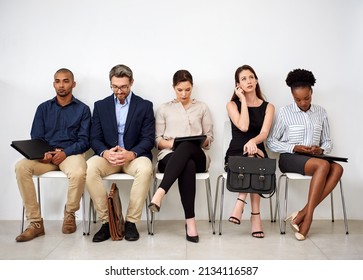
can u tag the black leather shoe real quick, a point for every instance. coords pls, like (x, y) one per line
(131, 233)
(103, 234)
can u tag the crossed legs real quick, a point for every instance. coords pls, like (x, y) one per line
(325, 176)
(182, 165)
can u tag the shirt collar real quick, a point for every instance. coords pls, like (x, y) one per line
(74, 100)
(176, 101)
(127, 100)
(296, 108)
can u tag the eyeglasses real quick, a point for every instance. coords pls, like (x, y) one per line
(122, 88)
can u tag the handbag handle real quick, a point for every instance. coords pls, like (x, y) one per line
(257, 155)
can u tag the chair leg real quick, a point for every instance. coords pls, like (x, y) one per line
(216, 197)
(277, 200)
(344, 209)
(209, 202)
(271, 211)
(220, 177)
(282, 216)
(83, 215)
(147, 213)
(152, 214)
(22, 221)
(332, 206)
(221, 204)
(40, 205)
(91, 211)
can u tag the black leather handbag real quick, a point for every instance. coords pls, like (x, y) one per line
(251, 175)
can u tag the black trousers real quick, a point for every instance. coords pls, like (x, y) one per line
(187, 160)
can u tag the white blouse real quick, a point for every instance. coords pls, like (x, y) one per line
(173, 120)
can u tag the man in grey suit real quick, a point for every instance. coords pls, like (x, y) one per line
(122, 137)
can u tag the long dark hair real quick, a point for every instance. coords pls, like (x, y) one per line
(236, 80)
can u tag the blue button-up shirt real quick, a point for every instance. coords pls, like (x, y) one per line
(66, 127)
(121, 115)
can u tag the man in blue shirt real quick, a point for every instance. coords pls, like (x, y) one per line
(122, 137)
(64, 123)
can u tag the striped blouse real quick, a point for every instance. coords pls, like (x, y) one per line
(296, 127)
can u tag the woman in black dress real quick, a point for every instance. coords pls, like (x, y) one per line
(251, 119)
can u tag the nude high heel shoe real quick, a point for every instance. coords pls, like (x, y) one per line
(294, 226)
(299, 236)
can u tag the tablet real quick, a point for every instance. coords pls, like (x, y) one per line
(197, 140)
(31, 149)
(327, 157)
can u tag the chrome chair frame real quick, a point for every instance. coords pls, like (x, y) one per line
(221, 181)
(296, 176)
(199, 176)
(113, 178)
(52, 175)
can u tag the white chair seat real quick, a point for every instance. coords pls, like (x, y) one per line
(118, 176)
(297, 176)
(198, 176)
(52, 174)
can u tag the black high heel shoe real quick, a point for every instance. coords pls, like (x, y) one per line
(194, 239)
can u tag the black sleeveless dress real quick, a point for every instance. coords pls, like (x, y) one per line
(240, 138)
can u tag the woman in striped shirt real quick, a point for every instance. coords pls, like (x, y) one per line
(302, 127)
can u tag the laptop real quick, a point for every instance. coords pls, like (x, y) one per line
(32, 148)
(197, 140)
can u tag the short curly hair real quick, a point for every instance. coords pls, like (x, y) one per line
(300, 78)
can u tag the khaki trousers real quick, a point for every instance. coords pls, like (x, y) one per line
(73, 166)
(140, 168)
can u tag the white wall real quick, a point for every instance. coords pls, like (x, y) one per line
(155, 38)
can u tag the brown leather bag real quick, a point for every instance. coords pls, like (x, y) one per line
(116, 218)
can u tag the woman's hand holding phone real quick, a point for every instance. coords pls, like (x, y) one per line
(239, 92)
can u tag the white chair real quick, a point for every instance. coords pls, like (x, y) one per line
(52, 175)
(222, 178)
(199, 176)
(299, 177)
(113, 178)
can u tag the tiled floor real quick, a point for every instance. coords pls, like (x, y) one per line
(326, 241)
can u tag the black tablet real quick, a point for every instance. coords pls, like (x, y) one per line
(32, 149)
(197, 140)
(327, 157)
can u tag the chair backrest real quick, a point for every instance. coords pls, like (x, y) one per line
(227, 136)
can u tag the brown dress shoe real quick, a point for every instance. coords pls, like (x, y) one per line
(69, 222)
(34, 229)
